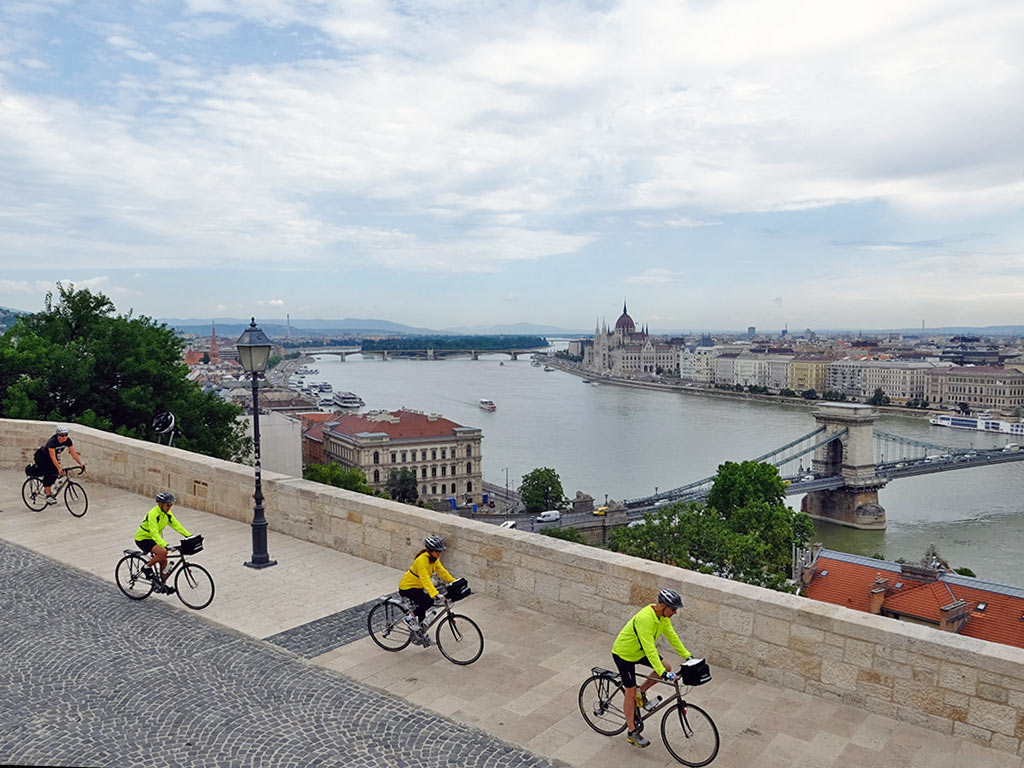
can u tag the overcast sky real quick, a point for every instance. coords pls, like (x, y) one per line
(444, 163)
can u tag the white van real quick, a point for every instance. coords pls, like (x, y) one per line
(508, 524)
(551, 516)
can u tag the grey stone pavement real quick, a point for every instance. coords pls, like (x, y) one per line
(279, 671)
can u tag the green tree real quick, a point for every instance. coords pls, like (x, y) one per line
(566, 534)
(332, 473)
(744, 531)
(402, 486)
(77, 361)
(786, 392)
(542, 490)
(878, 398)
(809, 394)
(833, 395)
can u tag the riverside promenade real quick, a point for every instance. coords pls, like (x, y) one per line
(278, 671)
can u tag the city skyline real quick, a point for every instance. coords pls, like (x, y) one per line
(719, 164)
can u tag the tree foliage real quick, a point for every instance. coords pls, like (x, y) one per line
(332, 473)
(744, 531)
(542, 490)
(78, 361)
(878, 397)
(402, 486)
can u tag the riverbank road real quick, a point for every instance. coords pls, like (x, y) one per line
(278, 671)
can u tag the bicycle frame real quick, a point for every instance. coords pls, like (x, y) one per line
(639, 713)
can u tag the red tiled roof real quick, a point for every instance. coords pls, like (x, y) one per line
(410, 425)
(850, 583)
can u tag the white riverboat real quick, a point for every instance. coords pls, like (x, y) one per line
(488, 405)
(348, 400)
(979, 424)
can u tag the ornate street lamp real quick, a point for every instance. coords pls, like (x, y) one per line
(253, 352)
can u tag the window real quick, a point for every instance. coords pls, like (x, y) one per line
(403, 457)
(433, 490)
(444, 453)
(423, 489)
(433, 454)
(433, 471)
(453, 470)
(376, 457)
(469, 451)
(469, 467)
(444, 470)
(423, 455)
(376, 475)
(394, 457)
(444, 488)
(469, 487)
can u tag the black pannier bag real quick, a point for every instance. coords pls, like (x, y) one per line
(695, 674)
(458, 589)
(191, 545)
(31, 470)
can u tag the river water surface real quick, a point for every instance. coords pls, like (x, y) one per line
(627, 442)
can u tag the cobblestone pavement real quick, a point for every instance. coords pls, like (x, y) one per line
(322, 635)
(93, 679)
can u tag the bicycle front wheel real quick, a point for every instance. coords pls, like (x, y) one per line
(194, 586)
(387, 627)
(690, 735)
(130, 579)
(459, 639)
(33, 495)
(75, 499)
(601, 699)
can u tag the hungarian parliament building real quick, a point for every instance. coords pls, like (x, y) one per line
(625, 351)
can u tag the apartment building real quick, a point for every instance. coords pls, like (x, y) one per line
(445, 456)
(981, 387)
(899, 380)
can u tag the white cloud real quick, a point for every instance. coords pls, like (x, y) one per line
(656, 277)
(276, 302)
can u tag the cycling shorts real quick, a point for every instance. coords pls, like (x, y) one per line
(627, 669)
(146, 545)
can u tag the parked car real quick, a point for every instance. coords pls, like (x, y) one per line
(601, 511)
(508, 524)
(550, 516)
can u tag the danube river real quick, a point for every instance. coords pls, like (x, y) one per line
(627, 442)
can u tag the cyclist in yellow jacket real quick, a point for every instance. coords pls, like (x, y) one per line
(149, 539)
(635, 645)
(417, 585)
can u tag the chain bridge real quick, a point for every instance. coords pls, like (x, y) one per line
(842, 464)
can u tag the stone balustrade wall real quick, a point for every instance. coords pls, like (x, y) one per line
(918, 674)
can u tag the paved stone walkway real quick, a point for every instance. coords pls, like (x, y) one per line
(72, 670)
(91, 679)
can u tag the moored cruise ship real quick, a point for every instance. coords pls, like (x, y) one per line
(979, 424)
(348, 400)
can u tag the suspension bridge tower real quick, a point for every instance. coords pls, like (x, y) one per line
(851, 454)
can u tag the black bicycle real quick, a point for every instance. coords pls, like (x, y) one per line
(689, 733)
(75, 500)
(192, 583)
(458, 637)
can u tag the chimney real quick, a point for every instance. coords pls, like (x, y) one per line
(878, 594)
(953, 616)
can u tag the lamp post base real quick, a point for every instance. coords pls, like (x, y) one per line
(267, 564)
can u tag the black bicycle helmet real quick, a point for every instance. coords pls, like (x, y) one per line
(165, 498)
(434, 543)
(670, 598)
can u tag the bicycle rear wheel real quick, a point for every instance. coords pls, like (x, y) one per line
(75, 499)
(387, 627)
(459, 639)
(130, 579)
(33, 495)
(194, 586)
(601, 698)
(690, 735)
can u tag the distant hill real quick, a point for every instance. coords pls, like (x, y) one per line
(278, 328)
(518, 329)
(8, 316)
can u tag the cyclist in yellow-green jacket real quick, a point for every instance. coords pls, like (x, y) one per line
(417, 585)
(149, 539)
(635, 645)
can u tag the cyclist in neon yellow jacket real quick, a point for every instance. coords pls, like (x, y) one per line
(417, 585)
(150, 540)
(635, 645)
